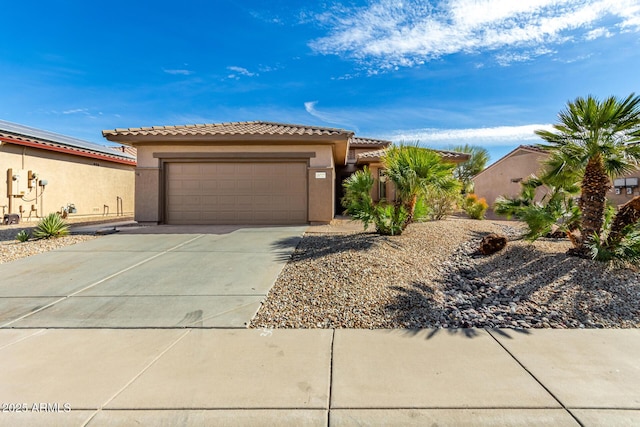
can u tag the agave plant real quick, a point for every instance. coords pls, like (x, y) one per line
(51, 226)
(22, 236)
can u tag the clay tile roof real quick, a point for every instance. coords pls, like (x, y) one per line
(453, 155)
(533, 148)
(365, 142)
(448, 155)
(13, 133)
(371, 154)
(231, 128)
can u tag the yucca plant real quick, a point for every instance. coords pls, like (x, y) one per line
(51, 226)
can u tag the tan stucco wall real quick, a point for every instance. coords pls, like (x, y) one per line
(89, 184)
(497, 180)
(324, 155)
(321, 196)
(321, 200)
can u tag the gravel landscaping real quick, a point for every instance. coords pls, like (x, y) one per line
(432, 276)
(11, 249)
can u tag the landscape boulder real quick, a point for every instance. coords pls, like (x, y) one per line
(492, 243)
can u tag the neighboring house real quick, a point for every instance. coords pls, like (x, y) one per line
(47, 172)
(503, 177)
(242, 172)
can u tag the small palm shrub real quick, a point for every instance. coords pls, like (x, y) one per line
(51, 226)
(22, 236)
(357, 201)
(624, 251)
(390, 219)
(475, 207)
(387, 218)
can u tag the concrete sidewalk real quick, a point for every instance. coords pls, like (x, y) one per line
(320, 377)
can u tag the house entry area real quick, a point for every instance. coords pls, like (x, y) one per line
(236, 193)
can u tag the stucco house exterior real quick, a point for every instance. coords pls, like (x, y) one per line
(242, 172)
(503, 177)
(46, 172)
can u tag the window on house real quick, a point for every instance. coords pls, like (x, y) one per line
(382, 184)
(352, 154)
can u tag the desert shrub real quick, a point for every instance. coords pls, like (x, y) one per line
(441, 203)
(51, 226)
(475, 207)
(390, 219)
(22, 236)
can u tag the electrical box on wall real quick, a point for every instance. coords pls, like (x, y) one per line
(17, 182)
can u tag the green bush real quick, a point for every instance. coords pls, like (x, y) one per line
(51, 226)
(22, 236)
(441, 203)
(390, 219)
(474, 207)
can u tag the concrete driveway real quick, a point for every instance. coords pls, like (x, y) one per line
(148, 277)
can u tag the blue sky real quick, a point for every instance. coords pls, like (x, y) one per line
(484, 72)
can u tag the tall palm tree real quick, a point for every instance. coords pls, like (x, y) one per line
(598, 139)
(414, 171)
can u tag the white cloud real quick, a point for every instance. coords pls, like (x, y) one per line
(310, 107)
(178, 72)
(240, 71)
(76, 111)
(597, 33)
(391, 33)
(490, 136)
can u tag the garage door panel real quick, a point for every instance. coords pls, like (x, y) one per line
(236, 193)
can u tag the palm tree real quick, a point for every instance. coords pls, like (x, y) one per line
(598, 139)
(414, 171)
(465, 171)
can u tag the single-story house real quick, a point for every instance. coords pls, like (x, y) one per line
(503, 177)
(47, 172)
(242, 172)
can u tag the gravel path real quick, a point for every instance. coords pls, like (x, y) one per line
(431, 276)
(11, 249)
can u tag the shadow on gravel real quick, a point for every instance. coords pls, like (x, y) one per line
(314, 246)
(589, 293)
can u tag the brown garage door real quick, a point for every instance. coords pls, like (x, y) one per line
(236, 193)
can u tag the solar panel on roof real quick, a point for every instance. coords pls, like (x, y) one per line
(59, 139)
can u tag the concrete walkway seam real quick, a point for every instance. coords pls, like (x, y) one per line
(535, 378)
(51, 304)
(135, 377)
(333, 339)
(37, 332)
